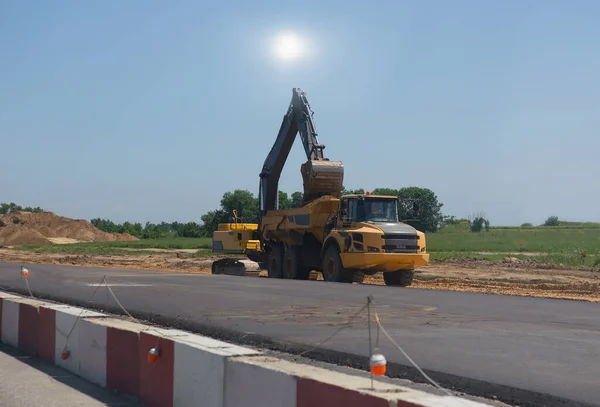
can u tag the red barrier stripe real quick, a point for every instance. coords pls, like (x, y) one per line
(312, 393)
(46, 341)
(122, 361)
(156, 379)
(28, 328)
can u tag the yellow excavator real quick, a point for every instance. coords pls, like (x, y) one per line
(343, 237)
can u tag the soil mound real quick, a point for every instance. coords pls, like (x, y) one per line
(41, 229)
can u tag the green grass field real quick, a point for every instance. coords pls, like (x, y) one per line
(539, 239)
(572, 245)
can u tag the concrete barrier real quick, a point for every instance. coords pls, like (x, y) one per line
(191, 370)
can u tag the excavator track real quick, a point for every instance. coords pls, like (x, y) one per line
(229, 266)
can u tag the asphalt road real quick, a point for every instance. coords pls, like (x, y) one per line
(546, 347)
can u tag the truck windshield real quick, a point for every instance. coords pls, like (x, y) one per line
(380, 210)
(369, 210)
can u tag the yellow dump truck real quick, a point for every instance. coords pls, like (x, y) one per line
(343, 237)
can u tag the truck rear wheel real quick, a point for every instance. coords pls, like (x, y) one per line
(400, 278)
(333, 269)
(275, 269)
(293, 266)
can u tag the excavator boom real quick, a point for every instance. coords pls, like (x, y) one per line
(320, 175)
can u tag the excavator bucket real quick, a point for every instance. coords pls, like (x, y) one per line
(322, 177)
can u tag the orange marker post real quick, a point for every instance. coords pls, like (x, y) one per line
(153, 355)
(378, 365)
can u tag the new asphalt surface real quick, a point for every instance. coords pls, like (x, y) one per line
(525, 351)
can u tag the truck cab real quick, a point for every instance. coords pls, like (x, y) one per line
(380, 213)
(369, 236)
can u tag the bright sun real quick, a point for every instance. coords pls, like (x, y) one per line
(288, 47)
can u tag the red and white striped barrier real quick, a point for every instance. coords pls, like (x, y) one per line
(189, 369)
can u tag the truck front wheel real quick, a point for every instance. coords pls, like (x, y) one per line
(333, 269)
(400, 278)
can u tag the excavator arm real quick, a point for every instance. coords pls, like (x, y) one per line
(320, 175)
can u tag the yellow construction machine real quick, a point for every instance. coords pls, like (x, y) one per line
(343, 237)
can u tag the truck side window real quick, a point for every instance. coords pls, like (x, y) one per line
(352, 209)
(360, 210)
(344, 210)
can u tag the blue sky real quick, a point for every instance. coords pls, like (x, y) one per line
(151, 110)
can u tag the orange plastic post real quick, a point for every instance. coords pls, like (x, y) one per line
(378, 365)
(153, 355)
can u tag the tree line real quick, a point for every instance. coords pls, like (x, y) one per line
(7, 208)
(150, 230)
(426, 216)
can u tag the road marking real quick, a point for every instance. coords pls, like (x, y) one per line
(119, 285)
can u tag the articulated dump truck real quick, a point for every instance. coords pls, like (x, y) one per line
(343, 237)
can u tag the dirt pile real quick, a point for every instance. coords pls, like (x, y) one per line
(41, 229)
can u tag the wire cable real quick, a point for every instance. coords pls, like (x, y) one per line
(344, 326)
(378, 320)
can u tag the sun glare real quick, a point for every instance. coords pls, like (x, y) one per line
(289, 47)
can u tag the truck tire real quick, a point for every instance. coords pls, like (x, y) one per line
(333, 269)
(400, 278)
(293, 266)
(275, 268)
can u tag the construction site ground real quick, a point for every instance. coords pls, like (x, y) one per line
(509, 276)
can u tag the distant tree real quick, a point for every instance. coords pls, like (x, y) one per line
(297, 199)
(105, 225)
(478, 222)
(386, 191)
(175, 226)
(191, 229)
(352, 191)
(6, 208)
(30, 209)
(136, 229)
(426, 216)
(551, 221)
(210, 221)
(526, 225)
(244, 202)
(125, 227)
(450, 220)
(284, 201)
(164, 227)
(151, 231)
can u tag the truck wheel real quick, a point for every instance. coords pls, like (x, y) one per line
(293, 268)
(333, 269)
(275, 269)
(401, 278)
